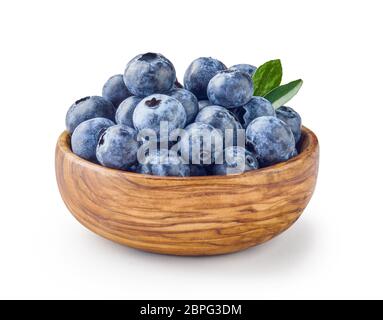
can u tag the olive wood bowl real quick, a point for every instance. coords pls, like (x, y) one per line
(188, 216)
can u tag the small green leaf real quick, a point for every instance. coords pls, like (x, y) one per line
(267, 77)
(279, 96)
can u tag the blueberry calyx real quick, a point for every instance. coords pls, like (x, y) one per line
(153, 102)
(82, 100)
(148, 57)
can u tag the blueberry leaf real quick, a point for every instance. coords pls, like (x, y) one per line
(279, 96)
(267, 77)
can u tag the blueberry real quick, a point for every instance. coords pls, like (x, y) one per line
(271, 140)
(230, 89)
(164, 163)
(88, 108)
(124, 113)
(156, 108)
(203, 103)
(246, 68)
(221, 119)
(85, 137)
(117, 147)
(149, 73)
(201, 144)
(197, 170)
(189, 102)
(237, 160)
(199, 73)
(292, 119)
(115, 90)
(256, 107)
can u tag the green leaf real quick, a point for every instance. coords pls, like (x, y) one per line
(267, 77)
(279, 96)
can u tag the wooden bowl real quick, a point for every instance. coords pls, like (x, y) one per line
(188, 216)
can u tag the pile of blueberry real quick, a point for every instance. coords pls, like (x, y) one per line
(214, 125)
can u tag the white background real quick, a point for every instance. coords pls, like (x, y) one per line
(53, 53)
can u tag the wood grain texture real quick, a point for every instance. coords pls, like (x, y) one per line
(188, 216)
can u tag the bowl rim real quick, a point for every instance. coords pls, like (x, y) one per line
(63, 144)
